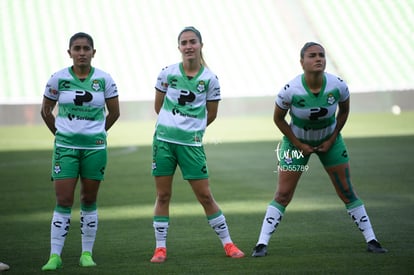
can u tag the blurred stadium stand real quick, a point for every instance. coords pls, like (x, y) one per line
(253, 46)
(370, 45)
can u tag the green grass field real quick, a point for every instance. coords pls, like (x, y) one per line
(316, 235)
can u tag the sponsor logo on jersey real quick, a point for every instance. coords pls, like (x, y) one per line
(77, 117)
(176, 111)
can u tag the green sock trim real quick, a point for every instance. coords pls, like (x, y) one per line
(354, 204)
(214, 215)
(63, 209)
(161, 219)
(89, 208)
(278, 206)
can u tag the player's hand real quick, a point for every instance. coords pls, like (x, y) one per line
(324, 146)
(306, 149)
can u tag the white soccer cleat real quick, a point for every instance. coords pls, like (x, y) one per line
(4, 267)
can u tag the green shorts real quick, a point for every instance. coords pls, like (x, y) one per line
(72, 163)
(191, 159)
(291, 159)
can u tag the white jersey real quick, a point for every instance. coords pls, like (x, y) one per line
(183, 115)
(313, 117)
(80, 121)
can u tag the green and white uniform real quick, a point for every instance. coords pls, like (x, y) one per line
(80, 121)
(178, 136)
(80, 145)
(313, 116)
(182, 121)
(183, 116)
(80, 139)
(313, 120)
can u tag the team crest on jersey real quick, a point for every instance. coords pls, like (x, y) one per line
(96, 85)
(331, 98)
(56, 168)
(201, 86)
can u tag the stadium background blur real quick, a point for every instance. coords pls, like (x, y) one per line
(252, 45)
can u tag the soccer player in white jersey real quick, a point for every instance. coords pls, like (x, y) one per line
(87, 100)
(312, 99)
(186, 101)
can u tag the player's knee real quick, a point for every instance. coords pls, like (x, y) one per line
(283, 198)
(205, 199)
(64, 201)
(163, 197)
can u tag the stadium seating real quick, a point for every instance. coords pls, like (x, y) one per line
(253, 46)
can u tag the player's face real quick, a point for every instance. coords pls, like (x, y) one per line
(314, 59)
(189, 46)
(81, 52)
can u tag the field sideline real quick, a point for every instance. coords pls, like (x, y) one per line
(316, 235)
(226, 129)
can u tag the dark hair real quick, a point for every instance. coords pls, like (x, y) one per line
(191, 29)
(306, 46)
(80, 35)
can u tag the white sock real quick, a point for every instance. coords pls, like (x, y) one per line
(161, 231)
(219, 225)
(361, 219)
(59, 229)
(271, 220)
(89, 227)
